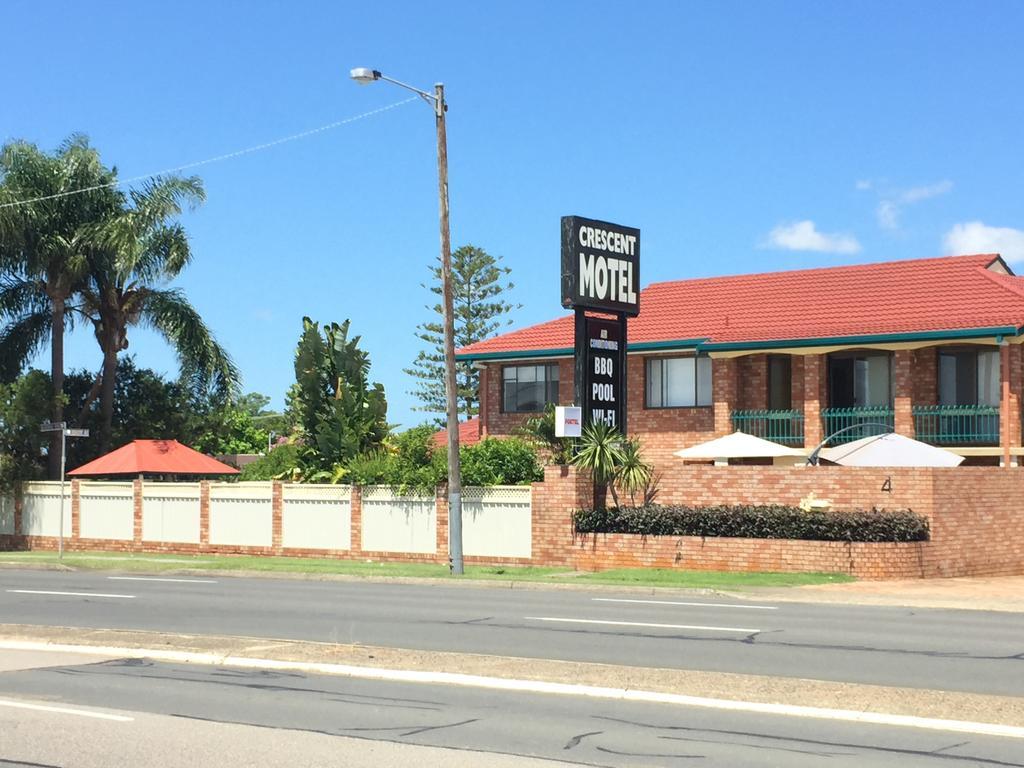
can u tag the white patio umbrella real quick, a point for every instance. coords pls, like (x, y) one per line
(890, 450)
(738, 445)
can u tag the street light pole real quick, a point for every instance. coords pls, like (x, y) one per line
(364, 76)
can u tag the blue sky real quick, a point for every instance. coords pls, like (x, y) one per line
(738, 137)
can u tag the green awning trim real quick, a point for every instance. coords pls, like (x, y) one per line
(703, 345)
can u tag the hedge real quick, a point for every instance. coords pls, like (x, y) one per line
(756, 522)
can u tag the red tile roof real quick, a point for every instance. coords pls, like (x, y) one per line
(953, 293)
(469, 433)
(153, 457)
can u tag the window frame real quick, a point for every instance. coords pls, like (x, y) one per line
(696, 382)
(547, 367)
(974, 351)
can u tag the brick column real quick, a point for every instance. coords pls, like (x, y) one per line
(814, 388)
(1016, 384)
(76, 510)
(723, 388)
(204, 514)
(441, 507)
(1009, 401)
(356, 520)
(137, 513)
(276, 516)
(484, 401)
(903, 397)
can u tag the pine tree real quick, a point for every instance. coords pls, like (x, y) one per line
(479, 283)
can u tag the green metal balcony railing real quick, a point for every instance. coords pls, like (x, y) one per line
(957, 424)
(870, 417)
(786, 427)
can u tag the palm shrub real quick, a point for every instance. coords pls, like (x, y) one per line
(600, 454)
(540, 431)
(633, 474)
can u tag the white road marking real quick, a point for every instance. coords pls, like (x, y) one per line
(529, 686)
(154, 578)
(744, 630)
(68, 594)
(65, 711)
(695, 605)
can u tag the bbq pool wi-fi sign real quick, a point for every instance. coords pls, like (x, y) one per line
(604, 358)
(601, 273)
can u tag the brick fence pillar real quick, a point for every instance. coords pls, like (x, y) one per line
(814, 389)
(903, 370)
(137, 513)
(1016, 355)
(76, 510)
(204, 514)
(723, 387)
(276, 516)
(356, 520)
(441, 507)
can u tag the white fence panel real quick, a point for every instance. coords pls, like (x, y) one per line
(106, 511)
(170, 512)
(241, 514)
(316, 516)
(6, 514)
(393, 523)
(40, 509)
(497, 521)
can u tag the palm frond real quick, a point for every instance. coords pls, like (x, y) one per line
(202, 358)
(20, 340)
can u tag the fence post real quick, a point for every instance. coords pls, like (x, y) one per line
(204, 515)
(277, 515)
(355, 511)
(441, 521)
(76, 511)
(137, 494)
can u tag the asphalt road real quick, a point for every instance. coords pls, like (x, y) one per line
(171, 715)
(969, 651)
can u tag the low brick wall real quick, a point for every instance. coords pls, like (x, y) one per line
(976, 516)
(601, 551)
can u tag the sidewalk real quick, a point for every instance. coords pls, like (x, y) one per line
(1002, 593)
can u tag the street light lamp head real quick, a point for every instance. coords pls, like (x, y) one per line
(364, 75)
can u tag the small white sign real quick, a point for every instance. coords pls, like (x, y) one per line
(568, 421)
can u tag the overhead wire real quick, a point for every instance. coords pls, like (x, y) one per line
(217, 159)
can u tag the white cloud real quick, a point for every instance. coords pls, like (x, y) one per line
(804, 236)
(863, 184)
(978, 237)
(892, 204)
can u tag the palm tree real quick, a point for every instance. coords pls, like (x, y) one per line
(49, 208)
(141, 249)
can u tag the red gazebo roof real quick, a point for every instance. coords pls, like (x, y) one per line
(153, 457)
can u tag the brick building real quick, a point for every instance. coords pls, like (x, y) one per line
(931, 347)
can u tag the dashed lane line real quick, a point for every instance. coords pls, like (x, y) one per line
(696, 627)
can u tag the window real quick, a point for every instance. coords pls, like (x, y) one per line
(527, 388)
(969, 377)
(860, 379)
(678, 382)
(780, 382)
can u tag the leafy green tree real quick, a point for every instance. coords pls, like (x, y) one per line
(229, 430)
(479, 283)
(278, 464)
(24, 403)
(140, 250)
(50, 206)
(341, 413)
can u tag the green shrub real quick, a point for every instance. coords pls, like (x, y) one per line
(756, 522)
(508, 461)
(283, 458)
